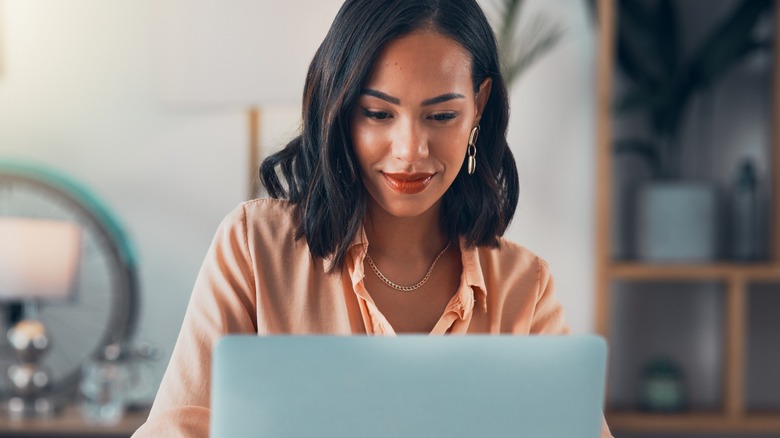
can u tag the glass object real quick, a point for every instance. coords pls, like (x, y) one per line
(138, 358)
(103, 388)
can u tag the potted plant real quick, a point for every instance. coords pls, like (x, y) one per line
(676, 217)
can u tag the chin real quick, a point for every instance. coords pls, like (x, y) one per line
(409, 208)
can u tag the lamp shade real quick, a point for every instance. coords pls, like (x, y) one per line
(39, 258)
(238, 53)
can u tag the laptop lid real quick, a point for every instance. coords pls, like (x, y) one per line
(408, 386)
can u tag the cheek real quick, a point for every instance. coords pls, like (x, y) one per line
(364, 144)
(452, 141)
(370, 142)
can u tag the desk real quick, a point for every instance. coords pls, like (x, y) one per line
(70, 424)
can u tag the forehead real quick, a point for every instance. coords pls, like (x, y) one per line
(422, 59)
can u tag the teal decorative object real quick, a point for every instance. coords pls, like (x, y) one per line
(104, 309)
(662, 387)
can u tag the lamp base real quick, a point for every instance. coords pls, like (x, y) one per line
(28, 378)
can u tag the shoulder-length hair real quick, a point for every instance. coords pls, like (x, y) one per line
(318, 172)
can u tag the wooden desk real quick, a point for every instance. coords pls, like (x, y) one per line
(70, 424)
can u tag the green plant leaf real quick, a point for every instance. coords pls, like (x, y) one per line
(667, 40)
(631, 64)
(638, 53)
(648, 52)
(648, 151)
(508, 10)
(593, 11)
(636, 99)
(537, 39)
(730, 42)
(518, 52)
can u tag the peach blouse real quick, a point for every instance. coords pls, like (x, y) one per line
(257, 278)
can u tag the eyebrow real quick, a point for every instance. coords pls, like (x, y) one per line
(442, 98)
(380, 95)
(396, 101)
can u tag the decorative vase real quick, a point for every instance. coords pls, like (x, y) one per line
(662, 388)
(677, 222)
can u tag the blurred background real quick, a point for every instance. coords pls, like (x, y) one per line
(160, 109)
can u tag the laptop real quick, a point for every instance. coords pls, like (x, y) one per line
(408, 386)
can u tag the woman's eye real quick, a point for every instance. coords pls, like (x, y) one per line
(443, 117)
(376, 115)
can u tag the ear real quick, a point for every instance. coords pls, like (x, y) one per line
(482, 98)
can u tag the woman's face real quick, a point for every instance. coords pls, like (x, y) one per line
(411, 124)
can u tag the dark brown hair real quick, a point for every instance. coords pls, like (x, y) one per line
(319, 171)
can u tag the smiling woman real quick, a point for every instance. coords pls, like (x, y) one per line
(402, 166)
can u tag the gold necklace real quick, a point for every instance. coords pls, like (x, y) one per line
(406, 288)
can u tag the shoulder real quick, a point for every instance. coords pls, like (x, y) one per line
(261, 221)
(509, 252)
(276, 213)
(268, 210)
(270, 226)
(512, 258)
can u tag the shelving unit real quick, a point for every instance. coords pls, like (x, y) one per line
(735, 279)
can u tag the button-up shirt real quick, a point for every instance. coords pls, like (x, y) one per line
(257, 278)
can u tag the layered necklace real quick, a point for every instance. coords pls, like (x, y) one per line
(397, 286)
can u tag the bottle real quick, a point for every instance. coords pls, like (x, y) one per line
(744, 217)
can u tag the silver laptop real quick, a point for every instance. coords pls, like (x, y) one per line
(408, 386)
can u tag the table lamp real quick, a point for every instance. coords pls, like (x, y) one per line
(39, 260)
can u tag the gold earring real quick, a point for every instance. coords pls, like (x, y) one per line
(472, 150)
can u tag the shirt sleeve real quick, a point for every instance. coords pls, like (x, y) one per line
(223, 301)
(549, 318)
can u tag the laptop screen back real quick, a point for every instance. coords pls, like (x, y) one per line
(408, 386)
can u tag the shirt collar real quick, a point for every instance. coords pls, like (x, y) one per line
(359, 243)
(472, 272)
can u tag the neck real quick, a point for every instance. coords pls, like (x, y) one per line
(404, 238)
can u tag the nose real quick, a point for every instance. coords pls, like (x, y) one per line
(410, 143)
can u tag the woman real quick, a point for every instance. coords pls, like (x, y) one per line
(388, 214)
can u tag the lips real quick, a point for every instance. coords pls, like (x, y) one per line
(408, 183)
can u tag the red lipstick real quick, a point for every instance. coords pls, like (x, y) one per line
(408, 183)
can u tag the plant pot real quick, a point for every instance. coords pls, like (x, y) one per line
(677, 222)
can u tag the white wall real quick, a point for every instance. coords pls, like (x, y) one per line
(552, 136)
(79, 91)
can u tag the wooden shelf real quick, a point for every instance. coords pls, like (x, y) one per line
(715, 271)
(70, 423)
(702, 422)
